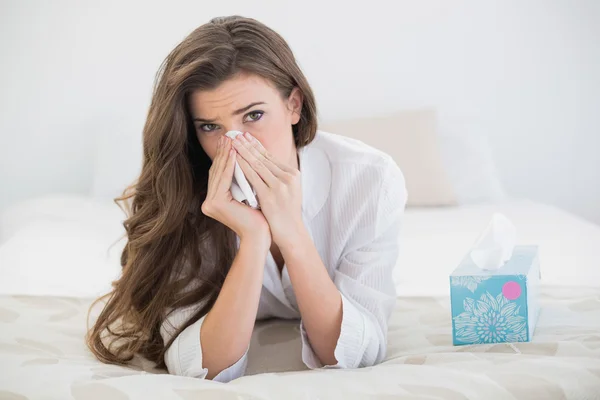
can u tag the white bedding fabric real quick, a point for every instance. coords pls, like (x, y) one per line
(42, 356)
(42, 352)
(434, 241)
(72, 238)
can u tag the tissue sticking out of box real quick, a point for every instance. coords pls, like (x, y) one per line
(495, 244)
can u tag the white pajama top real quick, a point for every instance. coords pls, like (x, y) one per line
(353, 199)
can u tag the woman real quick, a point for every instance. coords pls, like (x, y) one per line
(200, 267)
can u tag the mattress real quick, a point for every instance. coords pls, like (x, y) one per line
(434, 240)
(42, 356)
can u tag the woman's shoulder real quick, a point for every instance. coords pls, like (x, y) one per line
(342, 149)
(351, 159)
(365, 187)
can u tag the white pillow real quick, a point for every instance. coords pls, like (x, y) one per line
(59, 258)
(410, 138)
(446, 159)
(61, 246)
(58, 207)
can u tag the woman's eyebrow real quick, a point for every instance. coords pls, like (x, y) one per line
(236, 112)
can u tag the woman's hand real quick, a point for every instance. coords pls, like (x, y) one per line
(220, 204)
(278, 188)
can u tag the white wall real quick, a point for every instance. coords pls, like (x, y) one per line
(525, 72)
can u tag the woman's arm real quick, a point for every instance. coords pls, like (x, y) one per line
(344, 320)
(227, 328)
(319, 300)
(216, 346)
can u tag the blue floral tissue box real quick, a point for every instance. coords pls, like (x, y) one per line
(496, 306)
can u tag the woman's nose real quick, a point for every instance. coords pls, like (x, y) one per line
(232, 133)
(239, 128)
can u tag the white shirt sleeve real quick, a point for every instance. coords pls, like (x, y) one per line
(364, 279)
(184, 356)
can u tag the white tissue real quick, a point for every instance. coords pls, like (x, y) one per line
(240, 188)
(495, 245)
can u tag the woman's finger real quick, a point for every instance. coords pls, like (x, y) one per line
(256, 161)
(268, 156)
(216, 169)
(227, 175)
(255, 180)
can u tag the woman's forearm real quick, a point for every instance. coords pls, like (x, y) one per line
(319, 300)
(227, 329)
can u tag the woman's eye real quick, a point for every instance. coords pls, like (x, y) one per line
(207, 127)
(255, 115)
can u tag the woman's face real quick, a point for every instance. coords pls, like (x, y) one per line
(247, 103)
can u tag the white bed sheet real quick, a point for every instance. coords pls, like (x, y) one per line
(42, 352)
(435, 240)
(43, 356)
(73, 236)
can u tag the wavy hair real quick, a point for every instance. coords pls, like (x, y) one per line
(165, 228)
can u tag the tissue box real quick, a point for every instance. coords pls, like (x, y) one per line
(496, 306)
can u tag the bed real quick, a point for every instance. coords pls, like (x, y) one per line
(43, 356)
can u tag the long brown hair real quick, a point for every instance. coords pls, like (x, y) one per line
(168, 237)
